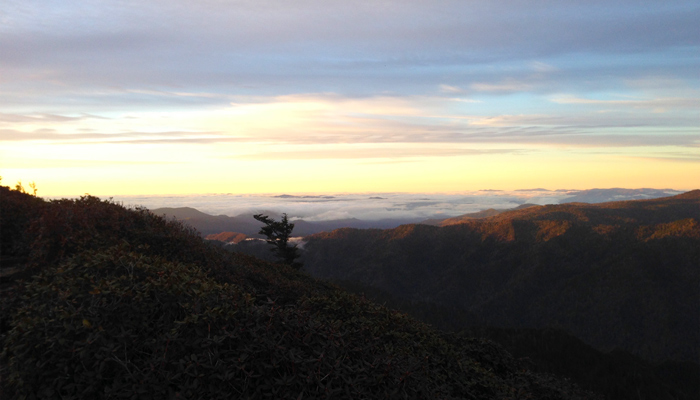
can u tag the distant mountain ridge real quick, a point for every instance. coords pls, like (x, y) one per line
(477, 215)
(616, 194)
(617, 275)
(208, 224)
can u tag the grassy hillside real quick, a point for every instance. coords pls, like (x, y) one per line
(620, 275)
(99, 301)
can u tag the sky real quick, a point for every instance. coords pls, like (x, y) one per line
(269, 96)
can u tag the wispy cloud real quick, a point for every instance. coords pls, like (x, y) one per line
(682, 158)
(505, 86)
(450, 89)
(57, 137)
(373, 153)
(658, 103)
(43, 118)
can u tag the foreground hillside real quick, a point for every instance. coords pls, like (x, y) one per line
(622, 275)
(99, 301)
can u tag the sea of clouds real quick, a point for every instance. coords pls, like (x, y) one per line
(369, 206)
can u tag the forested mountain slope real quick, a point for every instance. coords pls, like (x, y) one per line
(617, 275)
(100, 301)
(477, 215)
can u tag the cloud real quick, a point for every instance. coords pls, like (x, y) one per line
(673, 157)
(217, 46)
(506, 86)
(42, 118)
(450, 89)
(658, 103)
(179, 94)
(372, 153)
(56, 137)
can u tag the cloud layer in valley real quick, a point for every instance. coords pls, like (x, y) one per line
(405, 207)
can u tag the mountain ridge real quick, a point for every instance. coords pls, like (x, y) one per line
(476, 215)
(208, 224)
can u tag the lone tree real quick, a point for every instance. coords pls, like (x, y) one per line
(278, 233)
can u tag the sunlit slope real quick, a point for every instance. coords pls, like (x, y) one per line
(617, 275)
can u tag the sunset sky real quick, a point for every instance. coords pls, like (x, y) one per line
(215, 96)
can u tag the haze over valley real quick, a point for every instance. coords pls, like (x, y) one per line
(372, 210)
